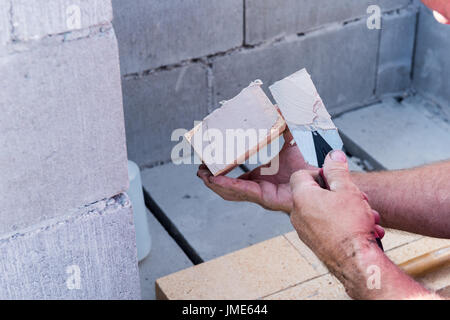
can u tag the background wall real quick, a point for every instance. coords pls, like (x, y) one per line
(180, 58)
(432, 60)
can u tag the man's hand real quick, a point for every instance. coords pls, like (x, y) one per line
(270, 191)
(334, 223)
(441, 9)
(341, 228)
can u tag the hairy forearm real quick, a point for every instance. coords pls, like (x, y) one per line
(369, 274)
(415, 200)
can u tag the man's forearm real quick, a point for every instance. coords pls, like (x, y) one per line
(369, 274)
(415, 200)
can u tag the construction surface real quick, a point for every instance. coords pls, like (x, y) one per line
(284, 268)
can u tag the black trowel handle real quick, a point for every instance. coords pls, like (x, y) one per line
(322, 148)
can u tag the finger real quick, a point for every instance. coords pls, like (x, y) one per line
(380, 231)
(440, 18)
(304, 181)
(365, 196)
(204, 174)
(336, 173)
(376, 216)
(287, 135)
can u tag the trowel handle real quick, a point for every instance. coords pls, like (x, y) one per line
(428, 262)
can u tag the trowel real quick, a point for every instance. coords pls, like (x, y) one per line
(307, 118)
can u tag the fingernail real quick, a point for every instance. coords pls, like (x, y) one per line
(338, 155)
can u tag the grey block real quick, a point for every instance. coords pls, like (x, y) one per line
(432, 63)
(159, 103)
(160, 32)
(354, 164)
(396, 52)
(62, 131)
(267, 19)
(5, 24)
(36, 19)
(88, 254)
(165, 257)
(211, 225)
(344, 74)
(396, 135)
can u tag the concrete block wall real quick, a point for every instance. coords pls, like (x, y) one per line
(395, 57)
(432, 63)
(179, 59)
(63, 161)
(95, 243)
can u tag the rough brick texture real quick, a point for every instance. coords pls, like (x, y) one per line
(333, 67)
(432, 63)
(61, 131)
(39, 18)
(160, 32)
(159, 103)
(266, 19)
(98, 239)
(396, 52)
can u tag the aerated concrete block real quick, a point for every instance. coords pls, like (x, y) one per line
(160, 32)
(344, 74)
(212, 226)
(394, 135)
(62, 136)
(39, 18)
(88, 254)
(157, 104)
(396, 52)
(5, 23)
(432, 63)
(267, 19)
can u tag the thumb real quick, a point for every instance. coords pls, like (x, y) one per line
(335, 171)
